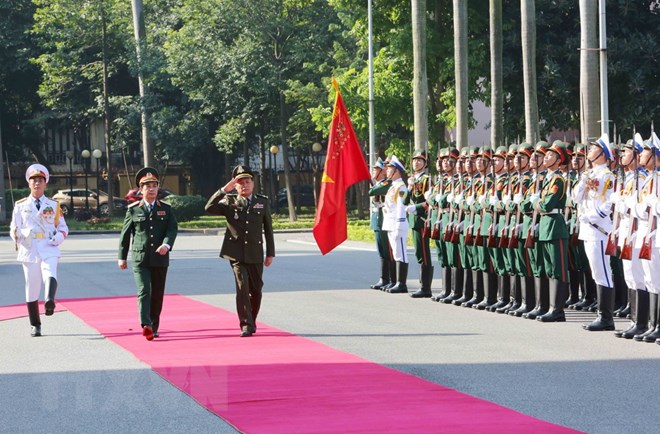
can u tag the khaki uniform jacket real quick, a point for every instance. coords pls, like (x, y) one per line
(247, 226)
(149, 231)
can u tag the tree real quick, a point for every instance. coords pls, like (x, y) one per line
(461, 72)
(528, 31)
(420, 83)
(497, 96)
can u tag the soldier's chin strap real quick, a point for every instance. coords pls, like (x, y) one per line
(597, 156)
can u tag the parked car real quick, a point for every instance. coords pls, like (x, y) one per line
(135, 194)
(305, 198)
(81, 197)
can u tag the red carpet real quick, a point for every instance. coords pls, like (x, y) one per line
(20, 310)
(276, 382)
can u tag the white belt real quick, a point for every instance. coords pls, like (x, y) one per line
(552, 211)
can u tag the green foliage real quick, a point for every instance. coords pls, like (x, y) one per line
(187, 208)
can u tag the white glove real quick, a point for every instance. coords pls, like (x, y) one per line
(651, 201)
(469, 201)
(534, 198)
(506, 199)
(450, 198)
(621, 207)
(482, 201)
(427, 195)
(411, 209)
(630, 203)
(584, 218)
(458, 198)
(57, 239)
(493, 200)
(615, 197)
(517, 198)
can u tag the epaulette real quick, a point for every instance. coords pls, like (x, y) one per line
(131, 205)
(21, 200)
(166, 203)
(263, 196)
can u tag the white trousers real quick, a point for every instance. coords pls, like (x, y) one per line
(633, 271)
(652, 271)
(398, 241)
(599, 263)
(37, 274)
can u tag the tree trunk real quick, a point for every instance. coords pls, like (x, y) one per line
(461, 72)
(496, 97)
(420, 83)
(589, 81)
(528, 33)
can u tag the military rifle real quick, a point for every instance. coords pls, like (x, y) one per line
(646, 250)
(530, 241)
(504, 232)
(492, 230)
(626, 249)
(619, 181)
(513, 238)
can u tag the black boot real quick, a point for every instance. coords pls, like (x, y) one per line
(632, 302)
(456, 286)
(51, 289)
(514, 295)
(426, 272)
(574, 289)
(558, 295)
(35, 321)
(639, 301)
(491, 281)
(605, 319)
(527, 297)
(541, 295)
(478, 289)
(589, 291)
(628, 308)
(653, 319)
(392, 270)
(503, 296)
(402, 273)
(654, 335)
(468, 288)
(620, 286)
(384, 274)
(446, 284)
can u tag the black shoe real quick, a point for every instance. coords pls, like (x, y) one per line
(246, 333)
(36, 331)
(50, 307)
(156, 335)
(421, 294)
(599, 325)
(555, 316)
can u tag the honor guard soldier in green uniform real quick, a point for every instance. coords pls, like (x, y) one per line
(519, 254)
(387, 266)
(419, 184)
(153, 228)
(530, 232)
(553, 232)
(441, 203)
(248, 223)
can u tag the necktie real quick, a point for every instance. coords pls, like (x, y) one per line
(248, 202)
(148, 208)
(37, 203)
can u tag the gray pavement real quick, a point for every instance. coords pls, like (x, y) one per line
(73, 380)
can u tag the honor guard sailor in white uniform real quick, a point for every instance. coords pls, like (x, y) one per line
(38, 228)
(395, 222)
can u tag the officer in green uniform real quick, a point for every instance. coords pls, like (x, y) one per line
(553, 232)
(419, 184)
(152, 226)
(387, 267)
(248, 223)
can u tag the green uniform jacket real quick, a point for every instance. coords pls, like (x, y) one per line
(380, 189)
(246, 227)
(552, 225)
(149, 231)
(416, 189)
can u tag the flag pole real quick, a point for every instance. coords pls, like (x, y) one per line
(372, 134)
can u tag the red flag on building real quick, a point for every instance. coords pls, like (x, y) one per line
(344, 166)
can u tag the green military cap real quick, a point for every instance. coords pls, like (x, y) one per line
(380, 163)
(580, 149)
(442, 153)
(452, 153)
(501, 152)
(513, 149)
(559, 148)
(242, 171)
(525, 149)
(421, 154)
(473, 152)
(541, 147)
(146, 174)
(486, 153)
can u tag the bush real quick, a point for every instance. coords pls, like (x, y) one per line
(187, 208)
